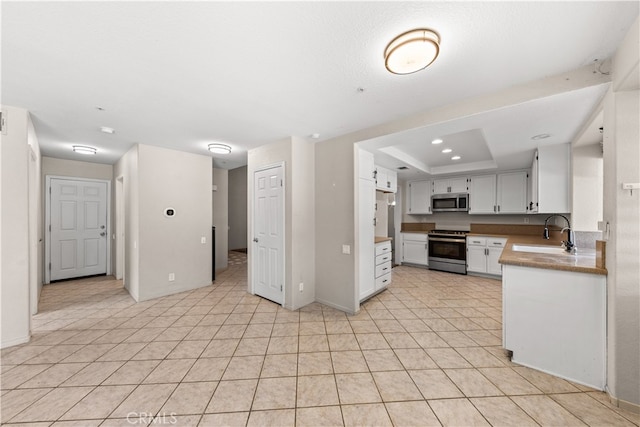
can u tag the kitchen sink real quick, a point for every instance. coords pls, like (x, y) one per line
(539, 249)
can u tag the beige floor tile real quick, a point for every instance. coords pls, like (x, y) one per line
(316, 390)
(252, 347)
(502, 411)
(54, 376)
(434, 384)
(414, 325)
(280, 365)
(348, 362)
(447, 358)
(156, 350)
(123, 351)
(275, 393)
(174, 333)
(115, 336)
(231, 419)
(282, 345)
(264, 317)
(280, 417)
(188, 350)
(93, 374)
(439, 325)
(313, 343)
(207, 369)
(457, 412)
(372, 341)
(189, 398)
(312, 328)
(322, 416)
(77, 423)
(15, 401)
(382, 360)
(478, 357)
(52, 405)
(243, 367)
(145, 335)
(89, 353)
(342, 342)
(429, 340)
(201, 333)
(396, 386)
(258, 330)
(285, 329)
(545, 382)
(357, 388)
(388, 325)
(590, 411)
(472, 383)
(414, 358)
(509, 381)
(314, 363)
(170, 371)
(146, 398)
(411, 414)
(233, 396)
(400, 340)
(132, 372)
(457, 339)
(55, 354)
(20, 374)
(365, 415)
(545, 411)
(364, 326)
(338, 327)
(230, 331)
(99, 403)
(485, 338)
(605, 400)
(221, 348)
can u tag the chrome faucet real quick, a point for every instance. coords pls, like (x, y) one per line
(569, 244)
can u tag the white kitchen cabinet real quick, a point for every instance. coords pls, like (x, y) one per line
(419, 200)
(415, 248)
(483, 253)
(386, 180)
(366, 166)
(482, 194)
(511, 195)
(366, 236)
(450, 185)
(550, 180)
(381, 277)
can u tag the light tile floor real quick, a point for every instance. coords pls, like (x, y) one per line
(425, 352)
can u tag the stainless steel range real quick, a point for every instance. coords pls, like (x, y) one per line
(448, 251)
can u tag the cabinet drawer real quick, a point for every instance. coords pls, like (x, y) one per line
(383, 269)
(415, 237)
(383, 281)
(476, 241)
(383, 258)
(383, 248)
(496, 243)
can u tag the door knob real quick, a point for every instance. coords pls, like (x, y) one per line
(255, 239)
(102, 227)
(103, 234)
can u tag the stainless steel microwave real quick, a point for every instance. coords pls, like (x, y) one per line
(450, 202)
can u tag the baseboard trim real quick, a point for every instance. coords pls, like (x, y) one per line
(15, 341)
(623, 404)
(336, 306)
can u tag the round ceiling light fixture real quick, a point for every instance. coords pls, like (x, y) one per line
(412, 51)
(84, 149)
(218, 148)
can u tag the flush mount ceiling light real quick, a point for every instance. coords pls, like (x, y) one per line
(456, 158)
(437, 141)
(107, 130)
(447, 150)
(412, 51)
(540, 136)
(83, 149)
(219, 148)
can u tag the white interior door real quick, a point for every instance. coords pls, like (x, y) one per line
(78, 233)
(268, 234)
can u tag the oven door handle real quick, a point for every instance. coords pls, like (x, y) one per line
(441, 239)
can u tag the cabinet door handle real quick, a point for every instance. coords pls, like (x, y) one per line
(498, 208)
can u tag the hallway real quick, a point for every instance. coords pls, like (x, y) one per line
(425, 352)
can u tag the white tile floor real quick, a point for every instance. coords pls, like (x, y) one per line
(425, 352)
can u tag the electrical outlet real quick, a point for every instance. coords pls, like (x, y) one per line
(301, 286)
(172, 277)
(203, 240)
(346, 249)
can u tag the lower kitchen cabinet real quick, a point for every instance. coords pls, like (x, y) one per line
(382, 272)
(415, 248)
(483, 253)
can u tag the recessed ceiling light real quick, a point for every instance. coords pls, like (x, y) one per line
(447, 150)
(107, 130)
(412, 51)
(219, 148)
(456, 158)
(540, 136)
(84, 149)
(315, 135)
(437, 141)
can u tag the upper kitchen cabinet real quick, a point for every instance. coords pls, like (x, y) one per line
(450, 185)
(366, 166)
(386, 180)
(549, 184)
(419, 200)
(505, 193)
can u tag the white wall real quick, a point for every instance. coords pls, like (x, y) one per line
(622, 212)
(297, 156)
(220, 218)
(14, 229)
(587, 181)
(237, 208)
(182, 181)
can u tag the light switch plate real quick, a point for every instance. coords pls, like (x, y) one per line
(346, 249)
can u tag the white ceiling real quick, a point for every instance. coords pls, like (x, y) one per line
(184, 74)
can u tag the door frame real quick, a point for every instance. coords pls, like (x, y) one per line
(250, 235)
(47, 221)
(34, 240)
(120, 230)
